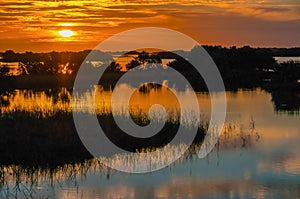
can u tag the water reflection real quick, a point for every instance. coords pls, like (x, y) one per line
(45, 103)
(50, 101)
(68, 180)
(257, 155)
(286, 102)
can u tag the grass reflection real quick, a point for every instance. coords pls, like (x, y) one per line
(32, 181)
(40, 148)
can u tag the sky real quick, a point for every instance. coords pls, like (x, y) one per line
(73, 25)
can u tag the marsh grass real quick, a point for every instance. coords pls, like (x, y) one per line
(35, 140)
(31, 180)
(39, 149)
(18, 181)
(39, 152)
(30, 138)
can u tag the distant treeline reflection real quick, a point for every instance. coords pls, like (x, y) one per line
(241, 68)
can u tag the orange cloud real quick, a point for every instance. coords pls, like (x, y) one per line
(255, 22)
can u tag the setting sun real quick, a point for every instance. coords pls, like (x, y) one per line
(66, 33)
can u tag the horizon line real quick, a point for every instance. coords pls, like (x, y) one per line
(210, 45)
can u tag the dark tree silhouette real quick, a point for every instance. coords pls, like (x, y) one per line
(10, 56)
(4, 70)
(286, 77)
(144, 58)
(114, 67)
(243, 67)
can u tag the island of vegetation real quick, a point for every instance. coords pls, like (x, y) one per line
(243, 67)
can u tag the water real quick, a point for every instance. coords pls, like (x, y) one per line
(257, 155)
(13, 67)
(286, 59)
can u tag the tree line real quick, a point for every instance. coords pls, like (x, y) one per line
(243, 67)
(51, 63)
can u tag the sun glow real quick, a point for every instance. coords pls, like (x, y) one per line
(66, 24)
(66, 33)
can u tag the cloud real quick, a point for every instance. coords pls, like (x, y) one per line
(233, 17)
(7, 19)
(13, 4)
(273, 9)
(15, 14)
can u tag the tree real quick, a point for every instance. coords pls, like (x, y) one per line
(114, 67)
(10, 56)
(143, 59)
(4, 71)
(134, 63)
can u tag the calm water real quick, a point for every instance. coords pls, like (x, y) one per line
(286, 59)
(258, 154)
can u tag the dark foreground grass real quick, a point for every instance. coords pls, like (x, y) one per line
(33, 140)
(46, 151)
(39, 141)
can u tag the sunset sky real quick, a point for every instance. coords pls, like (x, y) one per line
(77, 25)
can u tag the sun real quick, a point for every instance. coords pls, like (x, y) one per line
(66, 33)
